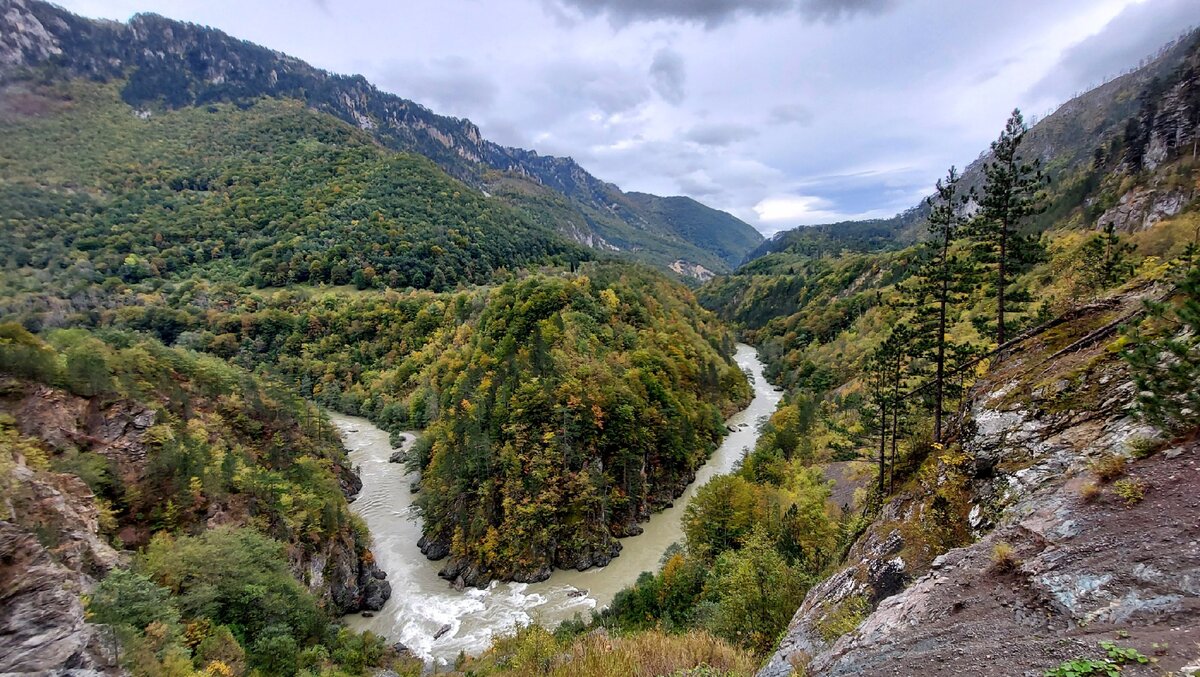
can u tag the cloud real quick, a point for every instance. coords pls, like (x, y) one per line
(833, 11)
(449, 85)
(1132, 35)
(712, 13)
(789, 114)
(591, 86)
(719, 134)
(667, 76)
(794, 209)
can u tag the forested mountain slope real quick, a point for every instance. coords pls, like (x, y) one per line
(268, 194)
(275, 194)
(168, 64)
(180, 282)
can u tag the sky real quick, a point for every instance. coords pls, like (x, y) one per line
(781, 112)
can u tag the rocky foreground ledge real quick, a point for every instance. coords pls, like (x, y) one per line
(1061, 559)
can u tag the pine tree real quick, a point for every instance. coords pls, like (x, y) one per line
(1165, 359)
(939, 288)
(1012, 191)
(887, 371)
(1104, 261)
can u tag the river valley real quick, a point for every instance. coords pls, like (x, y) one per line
(422, 604)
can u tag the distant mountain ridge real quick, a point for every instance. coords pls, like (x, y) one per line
(175, 64)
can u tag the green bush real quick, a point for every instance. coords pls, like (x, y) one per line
(126, 598)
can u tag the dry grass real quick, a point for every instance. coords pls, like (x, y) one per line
(642, 654)
(1004, 557)
(1090, 492)
(1109, 468)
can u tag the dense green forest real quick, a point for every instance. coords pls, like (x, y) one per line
(572, 409)
(269, 195)
(156, 63)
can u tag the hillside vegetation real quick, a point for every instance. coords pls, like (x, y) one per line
(231, 484)
(159, 64)
(851, 332)
(267, 195)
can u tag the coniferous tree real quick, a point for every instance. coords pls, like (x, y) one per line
(878, 385)
(1104, 260)
(1165, 359)
(887, 372)
(939, 288)
(1012, 191)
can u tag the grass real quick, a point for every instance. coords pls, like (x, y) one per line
(534, 651)
(1144, 447)
(1109, 467)
(843, 618)
(1004, 557)
(1090, 492)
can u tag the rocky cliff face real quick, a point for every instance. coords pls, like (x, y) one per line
(50, 554)
(177, 64)
(1060, 560)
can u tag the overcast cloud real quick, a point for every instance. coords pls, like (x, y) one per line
(783, 112)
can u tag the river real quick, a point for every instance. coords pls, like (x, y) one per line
(422, 603)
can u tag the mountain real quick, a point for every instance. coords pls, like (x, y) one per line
(169, 64)
(267, 194)
(1066, 142)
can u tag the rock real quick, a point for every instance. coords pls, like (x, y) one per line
(402, 649)
(1082, 569)
(441, 631)
(1142, 208)
(577, 593)
(375, 593)
(398, 456)
(368, 614)
(42, 626)
(434, 549)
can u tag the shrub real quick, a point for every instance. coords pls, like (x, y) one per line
(1109, 467)
(1144, 447)
(125, 598)
(1090, 492)
(1132, 491)
(1109, 666)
